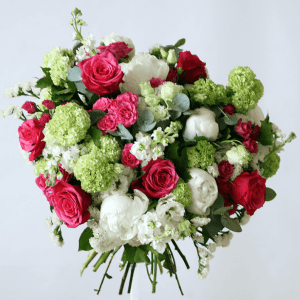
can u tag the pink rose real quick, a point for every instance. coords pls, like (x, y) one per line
(229, 109)
(155, 82)
(124, 111)
(48, 104)
(44, 119)
(101, 73)
(250, 145)
(106, 123)
(159, 180)
(102, 104)
(129, 159)
(243, 129)
(71, 204)
(30, 136)
(118, 49)
(29, 106)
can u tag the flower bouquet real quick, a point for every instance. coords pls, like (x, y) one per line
(144, 149)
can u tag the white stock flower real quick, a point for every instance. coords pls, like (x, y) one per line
(201, 123)
(120, 214)
(2, 115)
(55, 219)
(48, 222)
(142, 68)
(17, 112)
(8, 93)
(197, 221)
(113, 37)
(245, 219)
(55, 239)
(25, 86)
(204, 191)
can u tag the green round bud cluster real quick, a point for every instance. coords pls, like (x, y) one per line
(68, 126)
(40, 166)
(247, 89)
(271, 165)
(182, 192)
(59, 61)
(201, 155)
(206, 92)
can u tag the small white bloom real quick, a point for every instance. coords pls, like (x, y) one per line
(48, 222)
(36, 91)
(2, 114)
(212, 247)
(95, 212)
(198, 238)
(81, 54)
(56, 220)
(33, 83)
(151, 48)
(197, 221)
(238, 169)
(201, 123)
(8, 93)
(245, 219)
(204, 191)
(213, 170)
(17, 112)
(55, 239)
(16, 89)
(25, 86)
(9, 110)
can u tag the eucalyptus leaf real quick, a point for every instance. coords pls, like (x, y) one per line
(122, 132)
(174, 114)
(221, 210)
(181, 102)
(230, 120)
(96, 115)
(188, 112)
(146, 127)
(74, 74)
(90, 94)
(80, 87)
(231, 224)
(221, 123)
(146, 117)
(163, 124)
(270, 194)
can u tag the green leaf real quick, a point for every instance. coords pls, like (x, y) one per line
(96, 115)
(174, 114)
(266, 133)
(141, 255)
(95, 133)
(218, 203)
(230, 120)
(214, 226)
(108, 276)
(122, 132)
(80, 87)
(221, 210)
(270, 194)
(93, 99)
(74, 74)
(181, 42)
(188, 112)
(45, 81)
(146, 127)
(51, 208)
(76, 46)
(232, 224)
(221, 123)
(146, 117)
(163, 124)
(84, 244)
(181, 103)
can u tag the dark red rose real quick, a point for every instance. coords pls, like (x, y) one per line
(250, 145)
(172, 75)
(29, 106)
(44, 119)
(31, 136)
(155, 82)
(159, 180)
(249, 190)
(229, 109)
(255, 132)
(224, 187)
(244, 129)
(101, 73)
(225, 169)
(49, 104)
(192, 66)
(118, 49)
(71, 204)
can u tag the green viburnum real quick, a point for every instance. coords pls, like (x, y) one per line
(95, 172)
(59, 61)
(206, 92)
(201, 155)
(271, 165)
(238, 155)
(182, 192)
(169, 90)
(186, 229)
(44, 95)
(40, 166)
(152, 100)
(146, 89)
(68, 126)
(247, 89)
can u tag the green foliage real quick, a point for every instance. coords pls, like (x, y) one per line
(270, 194)
(74, 74)
(271, 165)
(76, 46)
(181, 103)
(84, 244)
(146, 121)
(135, 254)
(96, 115)
(122, 132)
(181, 42)
(232, 224)
(45, 81)
(266, 133)
(96, 134)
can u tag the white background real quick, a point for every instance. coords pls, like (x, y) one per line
(262, 262)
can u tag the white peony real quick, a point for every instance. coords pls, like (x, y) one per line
(142, 68)
(113, 37)
(204, 191)
(201, 123)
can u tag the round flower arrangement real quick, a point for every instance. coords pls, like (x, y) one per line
(142, 150)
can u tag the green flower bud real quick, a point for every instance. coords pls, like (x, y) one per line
(163, 53)
(179, 70)
(171, 59)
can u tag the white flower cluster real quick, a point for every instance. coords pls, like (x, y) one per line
(223, 240)
(245, 219)
(204, 263)
(197, 221)
(56, 239)
(24, 87)
(213, 170)
(16, 111)
(88, 48)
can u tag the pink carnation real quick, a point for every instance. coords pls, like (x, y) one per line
(49, 104)
(156, 82)
(108, 122)
(29, 106)
(129, 159)
(117, 49)
(102, 104)
(44, 119)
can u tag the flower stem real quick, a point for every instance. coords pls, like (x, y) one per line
(154, 279)
(124, 278)
(152, 260)
(90, 257)
(131, 277)
(115, 251)
(181, 254)
(148, 273)
(102, 260)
